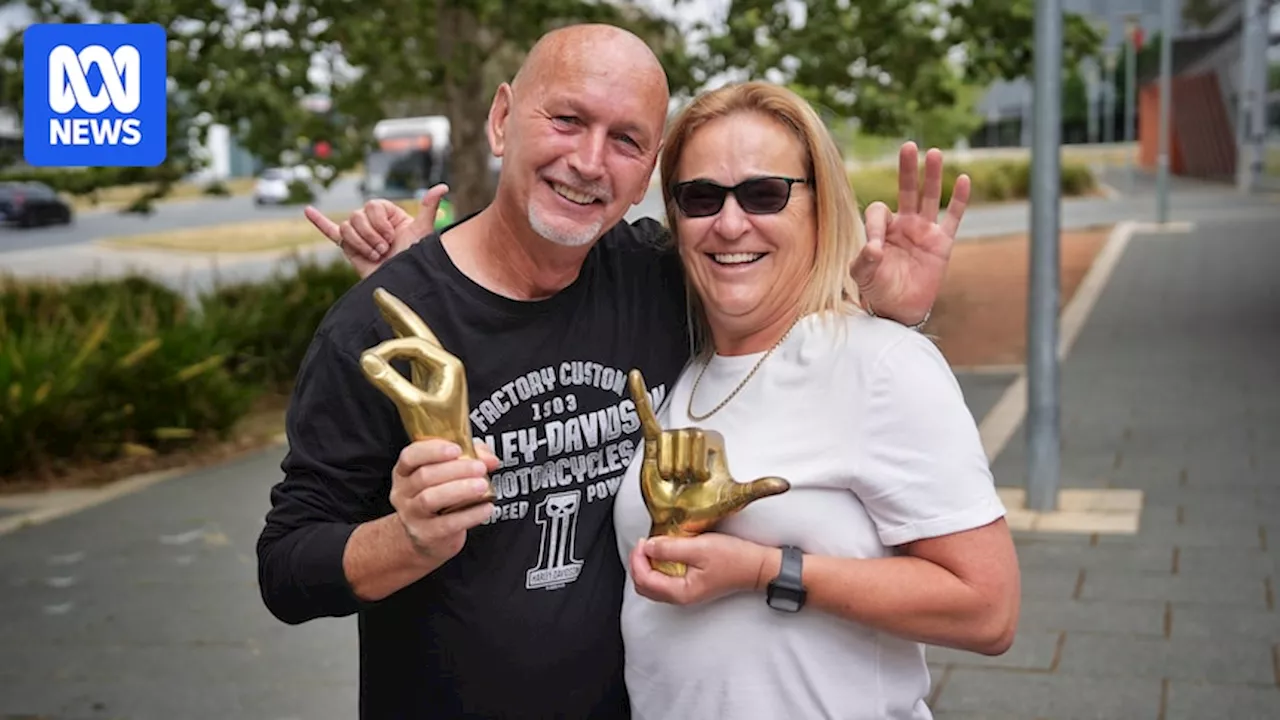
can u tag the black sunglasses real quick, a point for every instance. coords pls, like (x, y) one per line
(757, 196)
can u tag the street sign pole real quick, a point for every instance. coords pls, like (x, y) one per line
(1043, 407)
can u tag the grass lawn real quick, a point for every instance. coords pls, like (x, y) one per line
(242, 237)
(121, 195)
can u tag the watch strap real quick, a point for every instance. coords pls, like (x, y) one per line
(786, 591)
(791, 571)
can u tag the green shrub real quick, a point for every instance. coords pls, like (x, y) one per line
(990, 181)
(30, 305)
(299, 193)
(76, 390)
(89, 368)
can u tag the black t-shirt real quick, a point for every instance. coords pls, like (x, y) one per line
(524, 622)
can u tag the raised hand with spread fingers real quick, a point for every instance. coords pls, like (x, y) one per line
(901, 269)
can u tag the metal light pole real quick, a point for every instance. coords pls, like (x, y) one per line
(1131, 93)
(1261, 87)
(1166, 102)
(1251, 115)
(1043, 412)
(1091, 88)
(1109, 98)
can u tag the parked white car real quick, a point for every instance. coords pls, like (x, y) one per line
(272, 187)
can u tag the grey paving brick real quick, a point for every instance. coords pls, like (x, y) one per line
(1226, 509)
(1049, 583)
(1179, 494)
(1224, 624)
(1132, 618)
(1194, 701)
(1242, 592)
(1221, 561)
(1242, 536)
(1146, 479)
(1130, 558)
(1238, 660)
(1231, 477)
(997, 693)
(1031, 650)
(1157, 521)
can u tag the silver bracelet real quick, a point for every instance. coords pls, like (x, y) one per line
(872, 312)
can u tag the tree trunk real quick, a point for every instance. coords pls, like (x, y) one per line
(467, 101)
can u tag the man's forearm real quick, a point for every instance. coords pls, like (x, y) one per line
(379, 560)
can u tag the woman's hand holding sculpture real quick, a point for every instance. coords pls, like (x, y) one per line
(685, 478)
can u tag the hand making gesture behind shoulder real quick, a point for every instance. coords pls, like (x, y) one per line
(900, 271)
(379, 230)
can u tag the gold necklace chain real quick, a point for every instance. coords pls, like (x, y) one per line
(741, 384)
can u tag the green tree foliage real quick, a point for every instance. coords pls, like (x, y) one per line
(249, 64)
(1202, 13)
(883, 62)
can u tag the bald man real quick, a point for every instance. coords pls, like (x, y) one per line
(509, 608)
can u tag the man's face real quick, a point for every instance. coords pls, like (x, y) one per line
(579, 146)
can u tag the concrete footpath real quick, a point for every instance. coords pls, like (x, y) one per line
(1172, 389)
(147, 606)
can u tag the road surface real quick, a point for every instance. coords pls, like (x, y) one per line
(169, 215)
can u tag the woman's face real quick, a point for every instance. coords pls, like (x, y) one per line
(748, 268)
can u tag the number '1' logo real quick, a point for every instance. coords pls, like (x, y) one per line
(69, 85)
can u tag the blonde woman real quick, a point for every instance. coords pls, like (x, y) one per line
(816, 603)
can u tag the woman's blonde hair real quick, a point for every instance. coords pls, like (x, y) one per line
(829, 288)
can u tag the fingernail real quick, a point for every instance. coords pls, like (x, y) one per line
(480, 486)
(381, 248)
(479, 468)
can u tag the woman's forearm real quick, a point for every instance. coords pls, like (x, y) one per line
(908, 597)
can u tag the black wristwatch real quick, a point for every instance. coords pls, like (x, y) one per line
(786, 592)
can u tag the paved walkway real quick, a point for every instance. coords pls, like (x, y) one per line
(147, 606)
(1172, 388)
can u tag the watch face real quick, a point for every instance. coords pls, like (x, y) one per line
(786, 599)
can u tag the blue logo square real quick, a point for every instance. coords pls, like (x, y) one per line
(94, 95)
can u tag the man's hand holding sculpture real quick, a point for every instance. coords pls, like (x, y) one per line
(426, 492)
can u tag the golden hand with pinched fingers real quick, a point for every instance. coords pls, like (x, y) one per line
(434, 404)
(685, 479)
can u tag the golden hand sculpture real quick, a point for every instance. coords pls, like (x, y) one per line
(685, 480)
(434, 404)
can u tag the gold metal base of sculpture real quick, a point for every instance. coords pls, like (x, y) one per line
(434, 403)
(685, 478)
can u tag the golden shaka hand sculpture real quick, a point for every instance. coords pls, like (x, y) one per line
(685, 480)
(434, 404)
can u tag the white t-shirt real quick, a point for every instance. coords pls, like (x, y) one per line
(866, 420)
